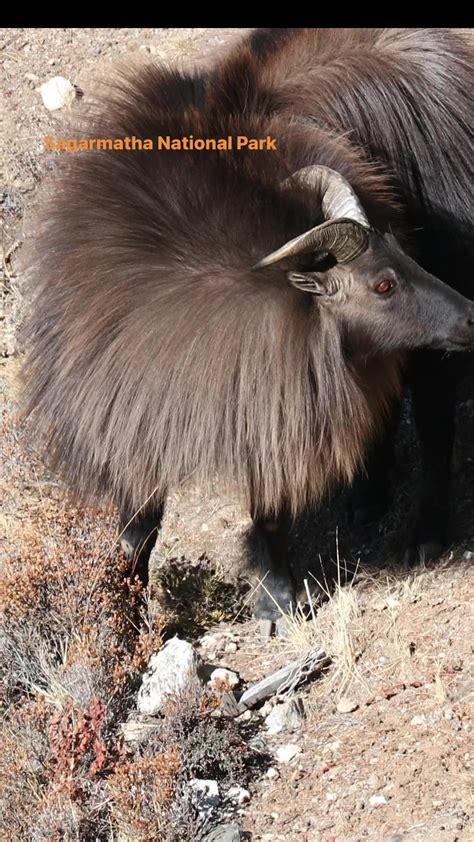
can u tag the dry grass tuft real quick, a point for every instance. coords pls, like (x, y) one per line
(360, 628)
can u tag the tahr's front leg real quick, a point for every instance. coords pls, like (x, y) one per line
(138, 534)
(277, 592)
(371, 490)
(433, 383)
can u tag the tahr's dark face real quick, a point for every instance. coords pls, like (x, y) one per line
(387, 302)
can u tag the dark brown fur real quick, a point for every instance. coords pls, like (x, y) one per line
(156, 356)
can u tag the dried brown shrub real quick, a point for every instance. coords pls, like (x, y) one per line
(74, 641)
(141, 791)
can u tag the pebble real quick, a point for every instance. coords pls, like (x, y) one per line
(222, 678)
(257, 743)
(205, 795)
(224, 833)
(377, 800)
(346, 705)
(373, 781)
(238, 795)
(419, 719)
(286, 717)
(332, 747)
(273, 773)
(468, 555)
(266, 708)
(287, 752)
(379, 604)
(57, 93)
(231, 647)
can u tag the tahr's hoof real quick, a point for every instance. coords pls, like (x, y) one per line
(127, 547)
(281, 626)
(266, 630)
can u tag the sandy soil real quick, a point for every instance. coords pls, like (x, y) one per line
(411, 744)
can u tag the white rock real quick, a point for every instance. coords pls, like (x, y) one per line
(222, 678)
(57, 93)
(205, 795)
(379, 604)
(231, 647)
(346, 706)
(266, 708)
(238, 795)
(169, 671)
(209, 643)
(392, 601)
(331, 796)
(287, 752)
(468, 555)
(377, 800)
(332, 747)
(273, 773)
(286, 717)
(419, 719)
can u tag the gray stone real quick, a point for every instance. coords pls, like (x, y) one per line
(287, 752)
(286, 717)
(169, 672)
(238, 795)
(205, 795)
(224, 833)
(346, 705)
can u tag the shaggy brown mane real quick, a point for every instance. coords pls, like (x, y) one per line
(156, 355)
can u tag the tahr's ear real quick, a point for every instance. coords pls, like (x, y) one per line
(309, 282)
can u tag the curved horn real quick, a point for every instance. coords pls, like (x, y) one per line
(336, 195)
(345, 232)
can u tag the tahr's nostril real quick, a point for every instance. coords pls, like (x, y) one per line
(470, 320)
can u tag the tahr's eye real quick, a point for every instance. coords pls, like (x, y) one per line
(385, 286)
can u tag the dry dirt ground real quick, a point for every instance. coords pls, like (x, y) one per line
(401, 643)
